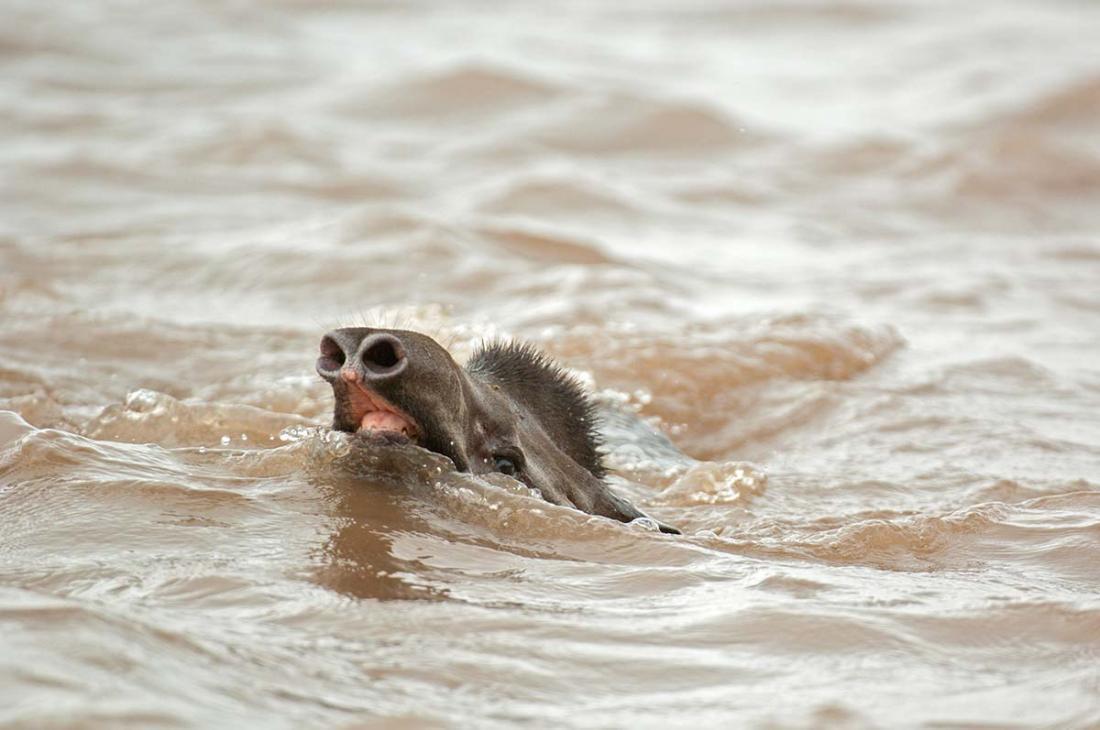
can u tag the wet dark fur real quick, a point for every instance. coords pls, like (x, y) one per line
(554, 396)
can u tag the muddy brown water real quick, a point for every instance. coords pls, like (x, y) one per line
(846, 255)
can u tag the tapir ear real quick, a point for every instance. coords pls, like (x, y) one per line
(549, 392)
(569, 421)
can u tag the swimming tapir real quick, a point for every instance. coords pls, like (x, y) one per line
(509, 410)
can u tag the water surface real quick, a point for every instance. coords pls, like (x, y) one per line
(846, 255)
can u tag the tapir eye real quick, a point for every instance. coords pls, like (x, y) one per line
(508, 462)
(505, 465)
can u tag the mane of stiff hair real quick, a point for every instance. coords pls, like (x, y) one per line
(551, 394)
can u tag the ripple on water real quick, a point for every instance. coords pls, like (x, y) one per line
(147, 416)
(1046, 531)
(449, 95)
(629, 125)
(693, 378)
(546, 196)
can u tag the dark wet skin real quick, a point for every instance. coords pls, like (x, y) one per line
(510, 410)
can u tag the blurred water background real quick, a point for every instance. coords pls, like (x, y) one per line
(845, 253)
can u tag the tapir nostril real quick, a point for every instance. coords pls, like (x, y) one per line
(332, 357)
(383, 355)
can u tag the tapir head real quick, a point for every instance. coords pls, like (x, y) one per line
(510, 410)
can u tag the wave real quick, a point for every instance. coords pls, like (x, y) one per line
(148, 416)
(557, 196)
(1051, 531)
(630, 125)
(448, 94)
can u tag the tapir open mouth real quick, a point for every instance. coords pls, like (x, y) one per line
(371, 414)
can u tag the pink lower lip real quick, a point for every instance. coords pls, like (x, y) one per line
(385, 421)
(378, 416)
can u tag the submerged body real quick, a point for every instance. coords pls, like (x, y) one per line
(510, 410)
